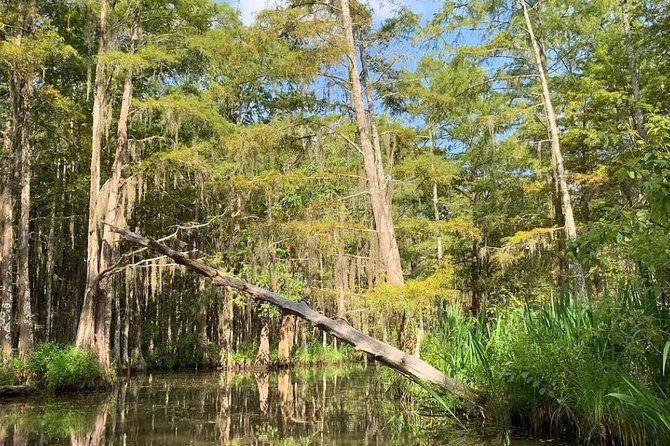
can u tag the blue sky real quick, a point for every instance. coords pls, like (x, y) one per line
(383, 8)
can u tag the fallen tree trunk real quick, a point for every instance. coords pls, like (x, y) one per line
(398, 360)
(11, 391)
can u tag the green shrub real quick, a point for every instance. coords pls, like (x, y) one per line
(245, 353)
(11, 370)
(58, 368)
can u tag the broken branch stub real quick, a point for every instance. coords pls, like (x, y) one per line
(406, 364)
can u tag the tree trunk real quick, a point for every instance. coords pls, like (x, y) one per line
(25, 315)
(48, 288)
(286, 338)
(557, 156)
(638, 116)
(137, 361)
(436, 213)
(201, 321)
(263, 355)
(125, 332)
(420, 335)
(341, 279)
(89, 334)
(226, 330)
(7, 201)
(374, 170)
(405, 364)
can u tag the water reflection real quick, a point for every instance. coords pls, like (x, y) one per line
(342, 407)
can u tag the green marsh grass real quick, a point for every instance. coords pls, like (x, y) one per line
(592, 371)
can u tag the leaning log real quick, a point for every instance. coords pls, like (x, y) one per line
(408, 365)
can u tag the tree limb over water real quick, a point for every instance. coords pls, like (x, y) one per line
(408, 365)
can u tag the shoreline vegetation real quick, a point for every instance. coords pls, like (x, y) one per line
(567, 368)
(473, 193)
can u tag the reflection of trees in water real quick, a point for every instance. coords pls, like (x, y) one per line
(95, 435)
(176, 409)
(263, 386)
(68, 422)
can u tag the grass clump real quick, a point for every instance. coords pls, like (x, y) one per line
(593, 371)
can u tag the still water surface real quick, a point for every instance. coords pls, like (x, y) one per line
(301, 407)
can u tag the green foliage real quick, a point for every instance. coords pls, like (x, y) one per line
(269, 435)
(185, 352)
(552, 367)
(58, 368)
(245, 353)
(315, 353)
(415, 294)
(637, 233)
(656, 409)
(11, 370)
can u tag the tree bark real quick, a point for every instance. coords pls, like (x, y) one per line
(263, 355)
(25, 315)
(557, 156)
(226, 330)
(340, 278)
(89, 334)
(638, 116)
(286, 338)
(48, 288)
(7, 201)
(374, 170)
(405, 364)
(201, 321)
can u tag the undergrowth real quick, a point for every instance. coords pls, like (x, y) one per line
(55, 368)
(594, 371)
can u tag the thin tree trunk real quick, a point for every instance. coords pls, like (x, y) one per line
(137, 361)
(638, 116)
(48, 289)
(341, 279)
(7, 201)
(436, 209)
(117, 327)
(25, 315)
(372, 119)
(420, 335)
(201, 321)
(374, 171)
(125, 331)
(436, 213)
(226, 330)
(557, 156)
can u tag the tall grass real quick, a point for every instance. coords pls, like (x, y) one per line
(593, 371)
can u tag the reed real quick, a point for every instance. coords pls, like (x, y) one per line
(591, 370)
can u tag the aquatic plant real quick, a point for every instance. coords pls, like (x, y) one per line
(594, 371)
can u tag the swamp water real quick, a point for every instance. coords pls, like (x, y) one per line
(300, 407)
